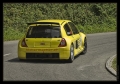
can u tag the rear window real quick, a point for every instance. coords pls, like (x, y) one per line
(43, 32)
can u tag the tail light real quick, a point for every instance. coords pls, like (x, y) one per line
(23, 44)
(62, 43)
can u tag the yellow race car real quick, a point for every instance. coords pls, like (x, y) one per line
(52, 39)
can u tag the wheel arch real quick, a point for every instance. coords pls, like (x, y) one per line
(83, 38)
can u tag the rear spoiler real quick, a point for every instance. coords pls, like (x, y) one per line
(43, 23)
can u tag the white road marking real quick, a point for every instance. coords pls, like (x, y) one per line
(7, 54)
(83, 67)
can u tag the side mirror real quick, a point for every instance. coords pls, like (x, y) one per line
(81, 30)
(69, 33)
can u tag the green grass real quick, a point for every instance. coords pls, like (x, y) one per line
(97, 28)
(12, 34)
(114, 64)
(95, 17)
(15, 34)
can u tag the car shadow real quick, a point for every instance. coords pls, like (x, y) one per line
(38, 61)
(78, 55)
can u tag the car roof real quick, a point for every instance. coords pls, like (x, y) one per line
(54, 20)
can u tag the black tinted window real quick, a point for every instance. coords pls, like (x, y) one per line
(43, 32)
(73, 27)
(67, 29)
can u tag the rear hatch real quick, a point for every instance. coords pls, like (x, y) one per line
(43, 36)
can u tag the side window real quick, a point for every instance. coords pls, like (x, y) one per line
(73, 27)
(67, 29)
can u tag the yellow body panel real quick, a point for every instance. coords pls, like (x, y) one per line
(51, 44)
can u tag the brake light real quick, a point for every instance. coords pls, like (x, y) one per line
(23, 44)
(62, 43)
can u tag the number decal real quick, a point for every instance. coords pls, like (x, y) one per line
(80, 41)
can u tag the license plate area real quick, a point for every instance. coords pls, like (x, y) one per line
(42, 55)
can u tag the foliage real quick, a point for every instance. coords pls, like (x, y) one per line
(90, 16)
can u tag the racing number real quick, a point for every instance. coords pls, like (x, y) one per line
(79, 42)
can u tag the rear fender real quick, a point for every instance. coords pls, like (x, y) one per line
(83, 38)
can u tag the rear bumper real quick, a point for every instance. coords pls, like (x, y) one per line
(43, 53)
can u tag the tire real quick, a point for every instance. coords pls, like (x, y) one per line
(71, 58)
(85, 47)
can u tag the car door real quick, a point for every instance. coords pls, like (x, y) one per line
(76, 36)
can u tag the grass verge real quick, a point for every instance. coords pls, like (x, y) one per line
(12, 34)
(15, 34)
(97, 28)
(114, 64)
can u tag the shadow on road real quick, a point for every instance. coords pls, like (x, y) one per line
(50, 61)
(38, 61)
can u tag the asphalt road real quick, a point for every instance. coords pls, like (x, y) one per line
(88, 67)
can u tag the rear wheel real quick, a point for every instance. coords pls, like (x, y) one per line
(85, 47)
(71, 58)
